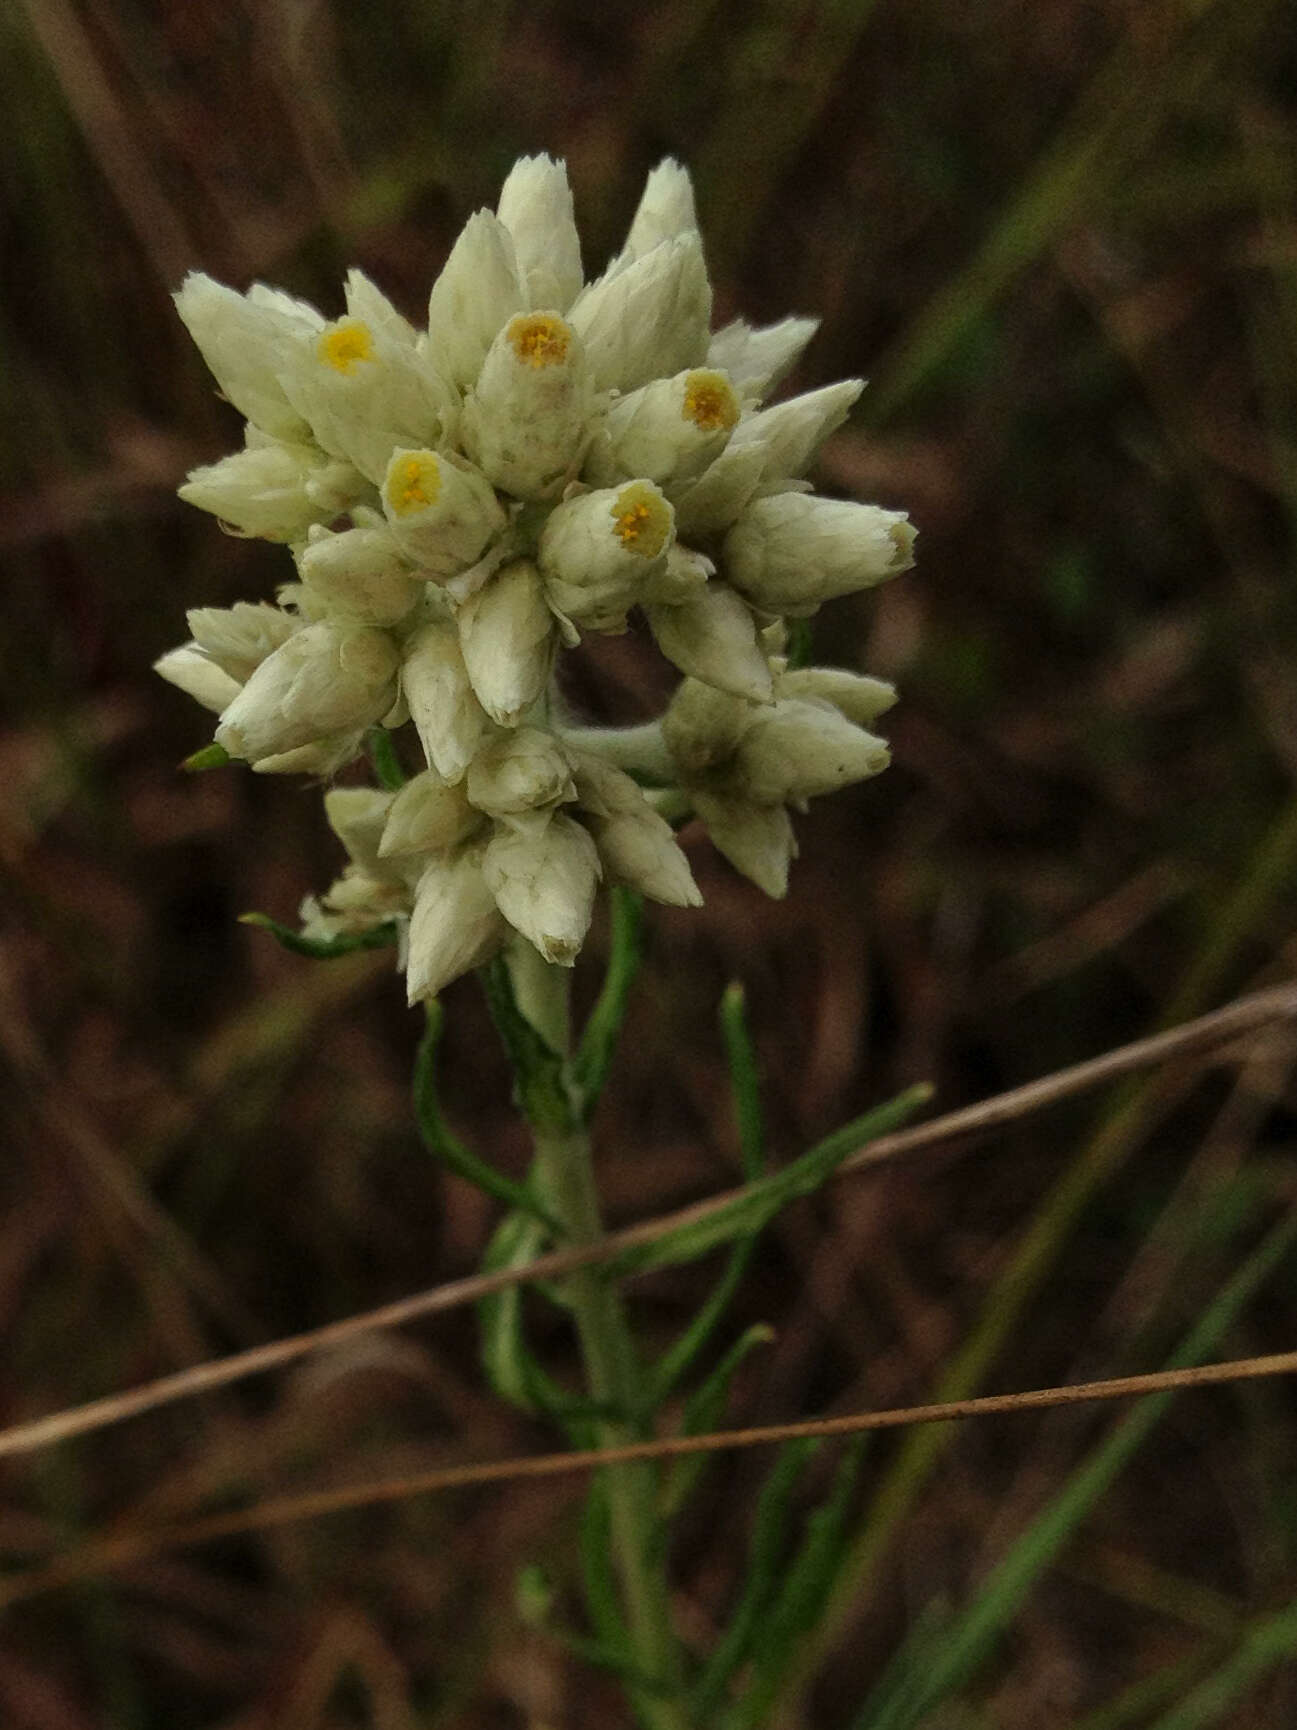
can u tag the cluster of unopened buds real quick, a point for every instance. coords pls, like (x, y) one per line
(462, 501)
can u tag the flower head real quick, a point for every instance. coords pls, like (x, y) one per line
(543, 459)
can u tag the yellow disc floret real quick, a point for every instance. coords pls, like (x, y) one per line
(413, 482)
(539, 338)
(345, 344)
(709, 401)
(642, 519)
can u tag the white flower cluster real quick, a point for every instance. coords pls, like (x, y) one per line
(460, 501)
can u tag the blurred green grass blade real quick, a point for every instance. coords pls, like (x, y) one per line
(445, 1145)
(951, 1655)
(760, 1201)
(702, 1413)
(594, 1056)
(1110, 127)
(1133, 1705)
(1269, 1641)
(1271, 868)
(742, 1060)
(765, 1554)
(785, 65)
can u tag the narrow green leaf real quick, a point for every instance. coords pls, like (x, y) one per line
(761, 1201)
(211, 756)
(324, 948)
(921, 1679)
(599, 1037)
(382, 754)
(603, 1601)
(805, 1584)
(744, 1080)
(539, 1072)
(766, 1548)
(510, 1367)
(801, 646)
(747, 1108)
(702, 1413)
(445, 1145)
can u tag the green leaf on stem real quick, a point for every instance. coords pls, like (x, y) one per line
(598, 1577)
(539, 1073)
(703, 1413)
(752, 1149)
(387, 768)
(510, 1367)
(211, 756)
(599, 1037)
(802, 1590)
(801, 646)
(765, 1559)
(324, 948)
(445, 1145)
(761, 1201)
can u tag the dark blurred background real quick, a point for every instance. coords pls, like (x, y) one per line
(1059, 237)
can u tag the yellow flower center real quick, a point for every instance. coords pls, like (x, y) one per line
(344, 344)
(539, 338)
(413, 482)
(709, 401)
(642, 519)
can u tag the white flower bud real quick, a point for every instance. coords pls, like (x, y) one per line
(441, 510)
(665, 211)
(519, 771)
(668, 430)
(757, 840)
(525, 422)
(543, 874)
(719, 494)
(599, 550)
(508, 638)
(758, 358)
(480, 286)
(194, 673)
(860, 698)
(357, 816)
(636, 845)
(792, 431)
(364, 389)
(240, 637)
(448, 717)
(361, 573)
(702, 728)
(536, 207)
(647, 319)
(427, 816)
(241, 338)
(327, 678)
(799, 748)
(263, 490)
(790, 551)
(454, 926)
(367, 302)
(712, 636)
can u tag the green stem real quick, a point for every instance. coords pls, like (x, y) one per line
(565, 1175)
